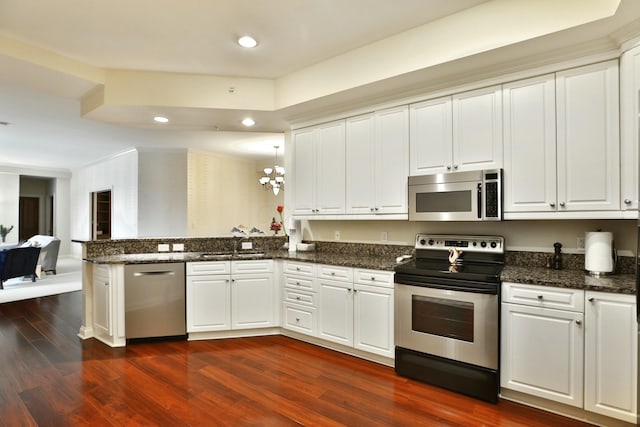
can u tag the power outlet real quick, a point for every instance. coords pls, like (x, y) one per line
(336, 236)
(163, 247)
(247, 245)
(178, 247)
(384, 236)
(580, 243)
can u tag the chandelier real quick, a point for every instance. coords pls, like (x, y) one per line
(273, 178)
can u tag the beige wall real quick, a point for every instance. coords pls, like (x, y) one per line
(223, 192)
(519, 235)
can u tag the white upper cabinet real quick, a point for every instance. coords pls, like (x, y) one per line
(561, 144)
(629, 116)
(319, 169)
(477, 129)
(457, 133)
(431, 136)
(530, 145)
(378, 162)
(588, 144)
(361, 164)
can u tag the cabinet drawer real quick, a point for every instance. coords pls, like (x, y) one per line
(252, 266)
(299, 297)
(299, 318)
(332, 272)
(295, 282)
(300, 268)
(208, 267)
(543, 296)
(373, 277)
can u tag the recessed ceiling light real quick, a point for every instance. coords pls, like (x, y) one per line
(161, 119)
(248, 122)
(247, 41)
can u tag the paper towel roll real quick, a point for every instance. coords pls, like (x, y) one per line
(599, 252)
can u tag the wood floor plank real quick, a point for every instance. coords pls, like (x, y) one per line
(51, 377)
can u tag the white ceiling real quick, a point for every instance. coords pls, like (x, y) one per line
(41, 99)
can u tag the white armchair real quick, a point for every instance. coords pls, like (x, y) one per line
(49, 248)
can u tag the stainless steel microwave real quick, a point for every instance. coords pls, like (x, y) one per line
(456, 196)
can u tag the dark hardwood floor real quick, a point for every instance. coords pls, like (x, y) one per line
(49, 377)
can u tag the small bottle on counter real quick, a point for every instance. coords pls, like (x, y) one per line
(557, 257)
(548, 264)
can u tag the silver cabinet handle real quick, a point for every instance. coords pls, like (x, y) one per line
(106, 283)
(297, 320)
(448, 167)
(371, 209)
(627, 201)
(552, 204)
(540, 297)
(578, 322)
(562, 204)
(373, 279)
(455, 167)
(592, 299)
(298, 298)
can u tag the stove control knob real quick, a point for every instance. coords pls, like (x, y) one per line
(431, 242)
(475, 244)
(483, 244)
(494, 245)
(423, 242)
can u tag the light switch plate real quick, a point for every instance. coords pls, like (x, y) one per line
(178, 247)
(163, 247)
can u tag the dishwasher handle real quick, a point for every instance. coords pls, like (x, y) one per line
(154, 273)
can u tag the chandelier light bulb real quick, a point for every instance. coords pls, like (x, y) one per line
(273, 178)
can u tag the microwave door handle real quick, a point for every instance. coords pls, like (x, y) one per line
(479, 196)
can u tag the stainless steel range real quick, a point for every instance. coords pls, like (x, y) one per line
(447, 313)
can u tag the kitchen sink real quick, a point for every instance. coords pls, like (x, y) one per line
(216, 255)
(249, 255)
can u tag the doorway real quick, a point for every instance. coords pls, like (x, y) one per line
(29, 217)
(101, 215)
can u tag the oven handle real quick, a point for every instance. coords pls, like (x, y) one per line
(474, 287)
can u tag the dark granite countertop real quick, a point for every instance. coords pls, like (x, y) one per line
(567, 278)
(574, 279)
(386, 263)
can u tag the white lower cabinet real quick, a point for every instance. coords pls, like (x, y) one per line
(351, 307)
(611, 355)
(224, 295)
(373, 318)
(542, 352)
(299, 297)
(570, 346)
(108, 304)
(335, 314)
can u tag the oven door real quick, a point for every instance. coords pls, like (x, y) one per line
(453, 201)
(461, 326)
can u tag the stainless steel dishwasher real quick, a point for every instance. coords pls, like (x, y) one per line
(154, 300)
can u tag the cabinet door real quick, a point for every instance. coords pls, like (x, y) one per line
(588, 138)
(252, 301)
(629, 116)
(431, 136)
(102, 301)
(542, 353)
(373, 319)
(611, 355)
(530, 145)
(208, 303)
(360, 164)
(304, 172)
(477, 129)
(392, 160)
(335, 311)
(331, 169)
